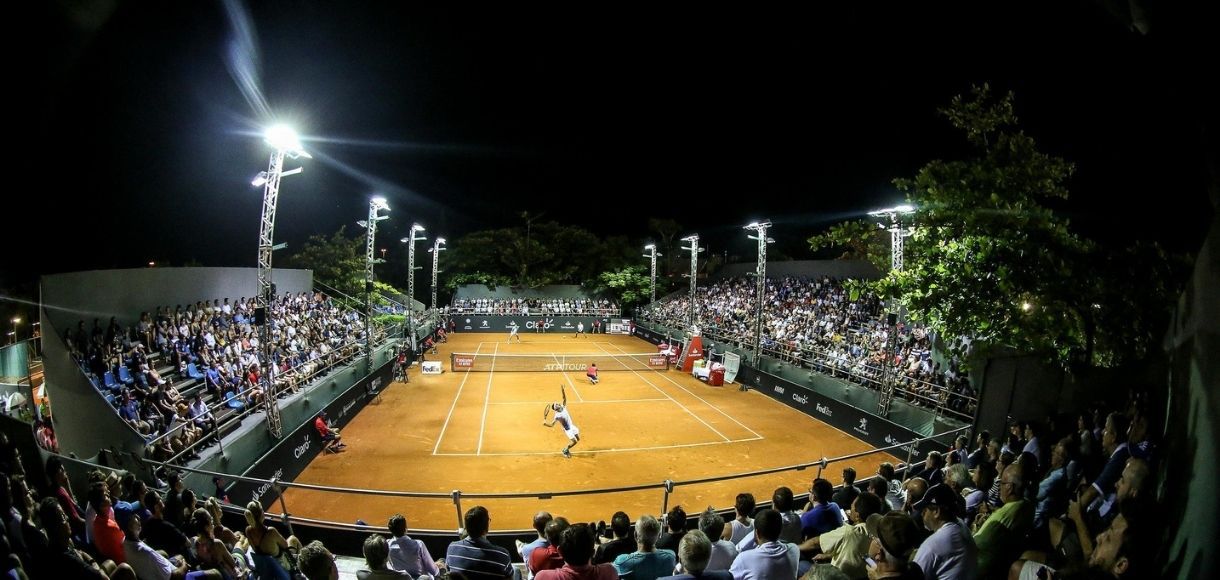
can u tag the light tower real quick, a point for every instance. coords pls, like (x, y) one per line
(285, 142)
(410, 242)
(376, 205)
(652, 254)
(760, 275)
(694, 250)
(897, 232)
(436, 254)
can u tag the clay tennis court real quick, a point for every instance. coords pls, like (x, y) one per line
(482, 432)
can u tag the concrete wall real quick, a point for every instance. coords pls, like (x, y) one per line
(124, 294)
(84, 422)
(808, 268)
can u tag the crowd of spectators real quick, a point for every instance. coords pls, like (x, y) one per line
(1050, 499)
(212, 351)
(534, 306)
(817, 324)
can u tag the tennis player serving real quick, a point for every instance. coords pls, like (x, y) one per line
(565, 420)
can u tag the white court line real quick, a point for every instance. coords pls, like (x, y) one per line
(692, 413)
(569, 379)
(701, 399)
(487, 397)
(454, 405)
(582, 402)
(595, 451)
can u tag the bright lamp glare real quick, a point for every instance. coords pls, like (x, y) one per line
(905, 208)
(283, 137)
(1026, 306)
(440, 241)
(417, 227)
(380, 203)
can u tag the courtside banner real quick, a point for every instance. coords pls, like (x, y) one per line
(524, 324)
(461, 361)
(865, 426)
(294, 451)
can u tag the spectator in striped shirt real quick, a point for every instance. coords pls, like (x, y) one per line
(476, 557)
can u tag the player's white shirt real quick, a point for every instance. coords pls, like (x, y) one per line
(512, 330)
(580, 327)
(565, 420)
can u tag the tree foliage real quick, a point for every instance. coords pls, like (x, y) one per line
(859, 239)
(988, 259)
(628, 286)
(338, 262)
(552, 254)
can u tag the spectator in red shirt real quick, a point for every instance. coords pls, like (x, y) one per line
(330, 437)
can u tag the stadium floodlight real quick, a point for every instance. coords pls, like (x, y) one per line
(760, 281)
(284, 138)
(285, 143)
(376, 204)
(694, 250)
(410, 241)
(896, 229)
(652, 255)
(436, 254)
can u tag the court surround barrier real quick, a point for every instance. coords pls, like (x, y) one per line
(865, 426)
(550, 323)
(272, 475)
(273, 488)
(484, 362)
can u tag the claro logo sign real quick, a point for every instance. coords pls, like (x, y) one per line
(302, 448)
(802, 399)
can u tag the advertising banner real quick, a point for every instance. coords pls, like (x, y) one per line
(295, 450)
(865, 426)
(532, 323)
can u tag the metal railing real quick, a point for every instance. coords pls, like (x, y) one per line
(825, 362)
(456, 496)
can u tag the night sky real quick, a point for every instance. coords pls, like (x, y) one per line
(598, 115)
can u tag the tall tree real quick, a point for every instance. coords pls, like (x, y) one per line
(990, 261)
(336, 261)
(666, 230)
(628, 286)
(859, 240)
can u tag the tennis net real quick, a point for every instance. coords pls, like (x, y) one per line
(468, 361)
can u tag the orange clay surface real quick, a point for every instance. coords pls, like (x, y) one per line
(483, 432)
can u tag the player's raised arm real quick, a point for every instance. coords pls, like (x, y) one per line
(545, 414)
(564, 393)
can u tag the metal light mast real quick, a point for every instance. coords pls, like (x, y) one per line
(694, 250)
(897, 232)
(285, 142)
(760, 275)
(410, 241)
(376, 205)
(652, 253)
(436, 254)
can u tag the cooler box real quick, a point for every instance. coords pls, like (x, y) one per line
(716, 378)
